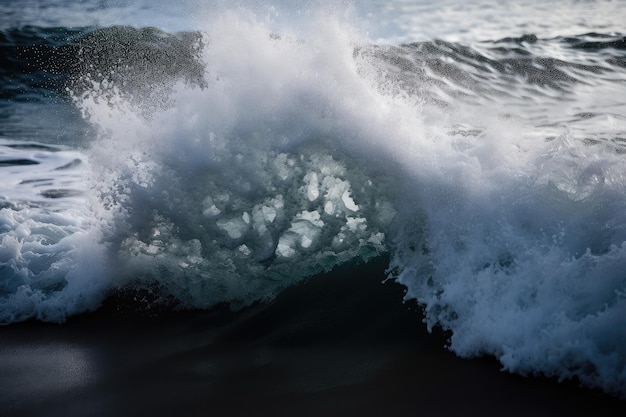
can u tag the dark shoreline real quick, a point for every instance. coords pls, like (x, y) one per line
(340, 344)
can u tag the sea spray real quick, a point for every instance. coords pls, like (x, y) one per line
(234, 188)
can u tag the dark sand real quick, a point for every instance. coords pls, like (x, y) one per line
(337, 345)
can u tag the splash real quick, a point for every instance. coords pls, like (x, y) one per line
(231, 189)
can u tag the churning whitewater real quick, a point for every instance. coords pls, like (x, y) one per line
(226, 164)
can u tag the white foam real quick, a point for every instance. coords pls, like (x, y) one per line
(52, 262)
(515, 243)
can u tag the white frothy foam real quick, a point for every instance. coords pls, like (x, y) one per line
(51, 259)
(230, 192)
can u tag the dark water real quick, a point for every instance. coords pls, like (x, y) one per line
(340, 343)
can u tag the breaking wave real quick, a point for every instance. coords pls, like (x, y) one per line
(223, 166)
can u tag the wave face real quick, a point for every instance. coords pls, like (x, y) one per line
(223, 165)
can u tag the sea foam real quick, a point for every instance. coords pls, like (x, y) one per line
(51, 258)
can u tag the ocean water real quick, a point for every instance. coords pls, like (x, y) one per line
(184, 156)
